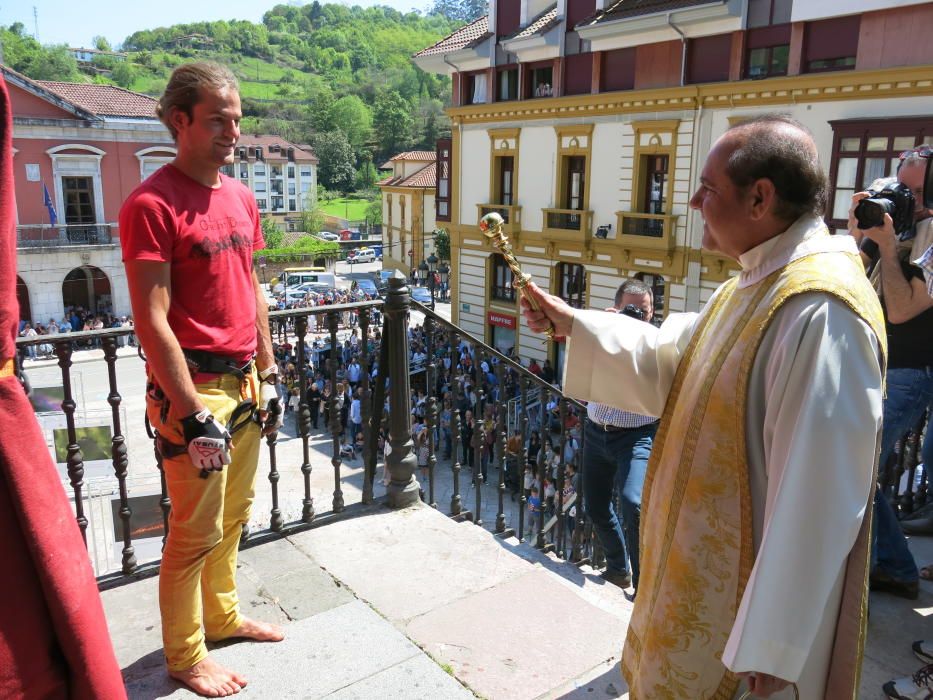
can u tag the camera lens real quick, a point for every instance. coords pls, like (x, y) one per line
(633, 311)
(870, 212)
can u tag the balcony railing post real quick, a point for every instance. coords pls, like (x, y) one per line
(523, 454)
(74, 460)
(501, 443)
(455, 435)
(560, 540)
(401, 462)
(304, 420)
(545, 432)
(479, 439)
(369, 437)
(118, 450)
(431, 410)
(336, 425)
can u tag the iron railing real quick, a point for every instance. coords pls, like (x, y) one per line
(44, 236)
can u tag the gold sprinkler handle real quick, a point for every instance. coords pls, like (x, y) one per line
(491, 226)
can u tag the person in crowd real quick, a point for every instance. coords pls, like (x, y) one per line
(746, 549)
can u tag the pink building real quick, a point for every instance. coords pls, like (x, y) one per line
(86, 146)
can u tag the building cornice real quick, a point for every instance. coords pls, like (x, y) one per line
(822, 87)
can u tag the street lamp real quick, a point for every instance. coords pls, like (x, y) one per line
(444, 272)
(432, 268)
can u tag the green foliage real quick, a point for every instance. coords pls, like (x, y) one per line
(24, 54)
(312, 220)
(374, 212)
(271, 233)
(123, 74)
(442, 243)
(306, 247)
(392, 122)
(366, 176)
(353, 117)
(101, 43)
(336, 169)
(460, 10)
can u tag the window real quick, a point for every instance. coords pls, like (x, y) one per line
(507, 84)
(576, 174)
(261, 203)
(618, 71)
(277, 187)
(291, 188)
(442, 192)
(78, 198)
(571, 284)
(291, 171)
(305, 171)
(277, 203)
(502, 289)
(475, 88)
(831, 44)
(505, 174)
(276, 171)
(708, 59)
(763, 13)
(865, 150)
(292, 205)
(227, 170)
(244, 171)
(259, 170)
(260, 187)
(654, 196)
(540, 81)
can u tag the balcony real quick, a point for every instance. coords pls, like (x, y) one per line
(510, 213)
(44, 236)
(567, 224)
(646, 231)
(384, 591)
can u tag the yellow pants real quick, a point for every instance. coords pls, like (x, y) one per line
(197, 586)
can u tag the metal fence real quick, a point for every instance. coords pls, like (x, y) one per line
(41, 236)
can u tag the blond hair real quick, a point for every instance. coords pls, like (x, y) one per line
(184, 87)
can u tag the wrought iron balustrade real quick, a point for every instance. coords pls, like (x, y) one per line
(652, 231)
(44, 236)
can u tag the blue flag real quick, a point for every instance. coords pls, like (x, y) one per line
(47, 200)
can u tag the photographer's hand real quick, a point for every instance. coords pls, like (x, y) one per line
(884, 236)
(854, 230)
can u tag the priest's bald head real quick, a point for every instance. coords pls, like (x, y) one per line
(759, 177)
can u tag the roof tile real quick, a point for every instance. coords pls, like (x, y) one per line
(467, 36)
(622, 9)
(265, 140)
(539, 25)
(103, 100)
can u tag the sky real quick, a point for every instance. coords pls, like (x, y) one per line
(76, 23)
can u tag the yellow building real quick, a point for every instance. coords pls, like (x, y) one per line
(408, 209)
(586, 123)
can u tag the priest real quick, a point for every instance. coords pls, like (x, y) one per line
(755, 520)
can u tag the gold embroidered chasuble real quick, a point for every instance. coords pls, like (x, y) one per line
(696, 537)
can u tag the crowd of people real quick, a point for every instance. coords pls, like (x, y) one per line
(75, 319)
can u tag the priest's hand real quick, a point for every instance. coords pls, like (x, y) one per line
(761, 685)
(554, 312)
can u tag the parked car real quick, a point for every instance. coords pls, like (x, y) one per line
(350, 235)
(361, 255)
(368, 287)
(377, 249)
(383, 283)
(328, 236)
(422, 295)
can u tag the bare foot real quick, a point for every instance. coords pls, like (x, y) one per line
(260, 631)
(210, 679)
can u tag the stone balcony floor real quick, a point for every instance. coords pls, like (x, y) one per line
(411, 604)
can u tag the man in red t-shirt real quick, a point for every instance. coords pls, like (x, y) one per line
(188, 234)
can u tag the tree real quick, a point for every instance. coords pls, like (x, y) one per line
(312, 220)
(442, 243)
(392, 122)
(366, 175)
(271, 233)
(101, 43)
(336, 170)
(374, 212)
(353, 117)
(123, 74)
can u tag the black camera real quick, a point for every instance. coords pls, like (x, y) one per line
(633, 311)
(893, 198)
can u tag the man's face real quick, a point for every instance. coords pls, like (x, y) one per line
(913, 176)
(726, 224)
(642, 301)
(210, 136)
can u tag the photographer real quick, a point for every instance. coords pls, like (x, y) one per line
(908, 312)
(615, 454)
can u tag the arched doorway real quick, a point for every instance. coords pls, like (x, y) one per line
(87, 287)
(22, 298)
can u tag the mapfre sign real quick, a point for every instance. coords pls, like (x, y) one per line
(501, 320)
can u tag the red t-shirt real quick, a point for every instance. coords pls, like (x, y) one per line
(208, 235)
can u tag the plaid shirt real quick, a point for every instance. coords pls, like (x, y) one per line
(607, 415)
(925, 263)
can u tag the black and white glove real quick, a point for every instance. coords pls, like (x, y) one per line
(270, 408)
(207, 441)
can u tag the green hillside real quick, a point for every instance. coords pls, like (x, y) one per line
(340, 78)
